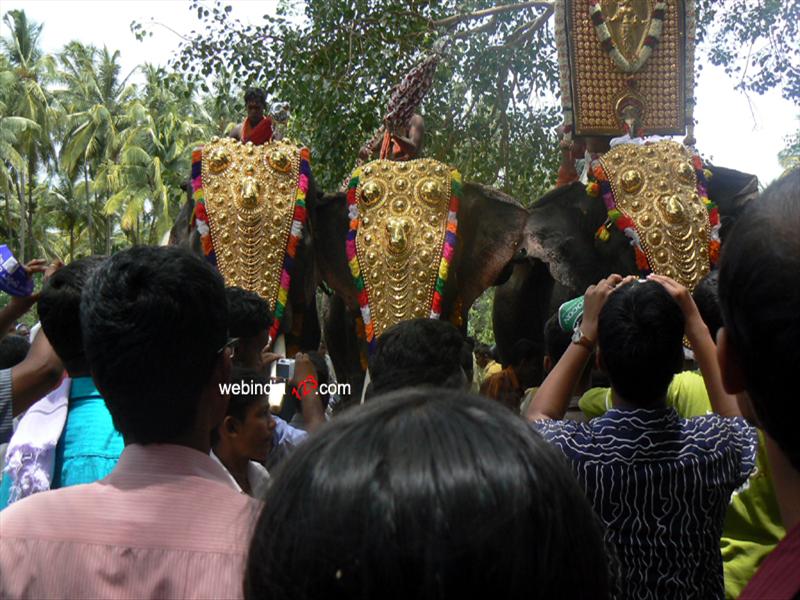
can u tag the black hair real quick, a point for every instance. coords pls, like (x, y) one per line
(449, 497)
(556, 340)
(482, 350)
(706, 297)
(248, 313)
(524, 350)
(759, 290)
(239, 403)
(13, 350)
(59, 306)
(417, 352)
(256, 94)
(154, 320)
(640, 335)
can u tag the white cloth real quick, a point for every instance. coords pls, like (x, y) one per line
(257, 475)
(30, 457)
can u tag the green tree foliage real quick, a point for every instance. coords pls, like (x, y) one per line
(491, 112)
(88, 162)
(789, 157)
(757, 42)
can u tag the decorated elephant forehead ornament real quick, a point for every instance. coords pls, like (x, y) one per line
(656, 195)
(626, 66)
(401, 239)
(250, 213)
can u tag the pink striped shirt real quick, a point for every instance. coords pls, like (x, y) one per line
(166, 523)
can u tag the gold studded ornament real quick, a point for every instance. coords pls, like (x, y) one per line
(403, 210)
(655, 185)
(250, 200)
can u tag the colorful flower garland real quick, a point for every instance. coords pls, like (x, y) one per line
(295, 233)
(448, 251)
(602, 187)
(607, 43)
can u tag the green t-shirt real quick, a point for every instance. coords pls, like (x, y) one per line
(753, 524)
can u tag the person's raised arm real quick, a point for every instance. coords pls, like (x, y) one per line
(304, 371)
(552, 398)
(35, 376)
(705, 351)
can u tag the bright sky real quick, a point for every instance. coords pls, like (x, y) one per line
(731, 131)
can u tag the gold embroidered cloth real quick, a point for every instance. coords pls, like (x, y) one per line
(250, 197)
(596, 84)
(403, 207)
(656, 186)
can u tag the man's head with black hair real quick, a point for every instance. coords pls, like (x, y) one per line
(640, 333)
(13, 350)
(759, 291)
(255, 101)
(155, 324)
(418, 352)
(256, 94)
(526, 359)
(249, 319)
(482, 355)
(59, 309)
(706, 297)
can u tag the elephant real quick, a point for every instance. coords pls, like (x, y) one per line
(560, 255)
(490, 232)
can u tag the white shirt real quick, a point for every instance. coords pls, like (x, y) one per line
(257, 475)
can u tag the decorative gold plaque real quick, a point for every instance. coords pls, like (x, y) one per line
(649, 83)
(403, 208)
(250, 196)
(656, 186)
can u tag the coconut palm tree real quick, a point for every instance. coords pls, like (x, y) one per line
(31, 100)
(96, 98)
(154, 158)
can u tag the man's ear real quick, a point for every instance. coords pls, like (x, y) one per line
(217, 401)
(230, 426)
(730, 364)
(547, 363)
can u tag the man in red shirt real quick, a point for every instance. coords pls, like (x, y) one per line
(759, 290)
(257, 127)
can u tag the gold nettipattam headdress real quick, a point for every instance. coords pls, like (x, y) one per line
(402, 238)
(250, 212)
(627, 66)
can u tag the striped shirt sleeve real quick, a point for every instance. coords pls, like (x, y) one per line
(6, 417)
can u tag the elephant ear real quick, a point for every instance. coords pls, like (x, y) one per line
(731, 191)
(183, 232)
(490, 226)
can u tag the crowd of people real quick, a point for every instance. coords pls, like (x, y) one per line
(629, 472)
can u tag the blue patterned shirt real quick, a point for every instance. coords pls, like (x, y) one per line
(661, 485)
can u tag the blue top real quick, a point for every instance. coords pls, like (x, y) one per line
(285, 439)
(89, 446)
(661, 485)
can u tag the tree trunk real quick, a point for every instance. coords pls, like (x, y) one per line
(88, 207)
(9, 225)
(109, 228)
(72, 242)
(31, 207)
(23, 236)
